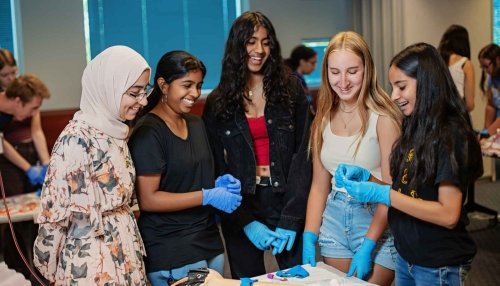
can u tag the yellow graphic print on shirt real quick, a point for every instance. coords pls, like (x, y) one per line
(404, 177)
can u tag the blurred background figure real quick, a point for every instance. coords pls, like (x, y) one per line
(489, 58)
(26, 136)
(454, 47)
(302, 61)
(20, 101)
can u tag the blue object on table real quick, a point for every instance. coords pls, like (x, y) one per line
(295, 272)
(247, 281)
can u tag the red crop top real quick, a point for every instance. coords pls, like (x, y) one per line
(260, 138)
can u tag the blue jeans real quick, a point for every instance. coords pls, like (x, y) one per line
(408, 274)
(161, 278)
(344, 226)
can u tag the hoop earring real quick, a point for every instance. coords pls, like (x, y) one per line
(163, 97)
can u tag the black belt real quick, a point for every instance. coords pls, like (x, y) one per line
(263, 181)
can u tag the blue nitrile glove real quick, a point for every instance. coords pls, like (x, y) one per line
(362, 262)
(279, 244)
(350, 172)
(232, 184)
(35, 175)
(368, 192)
(484, 133)
(247, 281)
(309, 248)
(296, 272)
(221, 199)
(44, 170)
(260, 235)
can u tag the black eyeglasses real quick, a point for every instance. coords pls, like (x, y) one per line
(142, 94)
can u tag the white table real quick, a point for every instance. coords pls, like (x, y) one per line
(321, 275)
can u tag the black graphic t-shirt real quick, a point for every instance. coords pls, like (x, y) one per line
(423, 243)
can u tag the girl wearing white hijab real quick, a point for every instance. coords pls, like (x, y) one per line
(88, 234)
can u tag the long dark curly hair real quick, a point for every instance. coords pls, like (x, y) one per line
(438, 121)
(231, 94)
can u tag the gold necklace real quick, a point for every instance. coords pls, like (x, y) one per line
(252, 90)
(347, 111)
(346, 122)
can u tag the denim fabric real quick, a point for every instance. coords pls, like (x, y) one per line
(408, 274)
(345, 224)
(291, 169)
(161, 278)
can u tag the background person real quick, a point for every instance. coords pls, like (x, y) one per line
(26, 136)
(88, 234)
(489, 58)
(302, 61)
(21, 100)
(454, 47)
(257, 120)
(175, 182)
(356, 122)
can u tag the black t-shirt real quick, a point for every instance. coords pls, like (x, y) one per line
(175, 239)
(5, 119)
(423, 243)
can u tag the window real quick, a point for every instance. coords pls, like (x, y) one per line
(154, 27)
(6, 30)
(319, 45)
(496, 21)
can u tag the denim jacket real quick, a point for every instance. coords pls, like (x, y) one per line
(291, 169)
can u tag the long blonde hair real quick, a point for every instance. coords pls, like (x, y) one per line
(371, 96)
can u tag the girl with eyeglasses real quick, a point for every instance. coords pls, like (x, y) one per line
(489, 58)
(88, 234)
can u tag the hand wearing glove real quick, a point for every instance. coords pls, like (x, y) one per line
(309, 240)
(484, 133)
(221, 199)
(44, 170)
(368, 192)
(362, 261)
(232, 184)
(350, 172)
(36, 175)
(260, 235)
(279, 244)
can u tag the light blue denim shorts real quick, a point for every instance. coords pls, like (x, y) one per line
(345, 224)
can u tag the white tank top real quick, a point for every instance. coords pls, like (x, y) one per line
(340, 149)
(457, 73)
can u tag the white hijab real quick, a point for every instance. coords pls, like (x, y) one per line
(105, 79)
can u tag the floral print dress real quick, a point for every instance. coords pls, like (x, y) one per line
(88, 234)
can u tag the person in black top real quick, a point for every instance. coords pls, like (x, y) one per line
(175, 176)
(257, 121)
(432, 164)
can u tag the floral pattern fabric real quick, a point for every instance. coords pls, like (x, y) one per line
(88, 234)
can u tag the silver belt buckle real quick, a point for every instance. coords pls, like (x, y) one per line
(257, 180)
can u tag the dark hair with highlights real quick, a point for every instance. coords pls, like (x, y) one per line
(439, 121)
